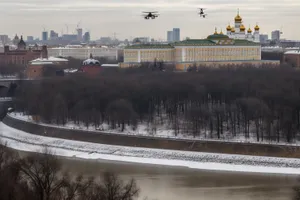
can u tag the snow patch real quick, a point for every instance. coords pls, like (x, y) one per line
(21, 140)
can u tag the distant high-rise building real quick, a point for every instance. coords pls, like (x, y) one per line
(30, 38)
(4, 39)
(79, 34)
(176, 34)
(44, 35)
(275, 35)
(87, 37)
(69, 37)
(170, 36)
(263, 38)
(53, 35)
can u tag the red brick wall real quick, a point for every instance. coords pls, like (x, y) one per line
(19, 57)
(91, 70)
(34, 71)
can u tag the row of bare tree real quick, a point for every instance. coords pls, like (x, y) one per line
(226, 103)
(40, 177)
(11, 69)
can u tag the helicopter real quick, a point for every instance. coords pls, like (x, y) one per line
(201, 13)
(150, 15)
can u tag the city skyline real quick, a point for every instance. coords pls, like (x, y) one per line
(106, 17)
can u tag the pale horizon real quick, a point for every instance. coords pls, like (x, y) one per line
(104, 18)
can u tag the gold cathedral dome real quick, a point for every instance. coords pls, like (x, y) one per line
(242, 28)
(228, 28)
(249, 30)
(238, 18)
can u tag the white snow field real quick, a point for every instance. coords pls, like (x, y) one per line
(23, 141)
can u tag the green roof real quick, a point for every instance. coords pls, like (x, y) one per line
(217, 37)
(150, 46)
(215, 40)
(245, 42)
(194, 42)
(219, 42)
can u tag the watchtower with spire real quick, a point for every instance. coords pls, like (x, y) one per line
(16, 40)
(21, 44)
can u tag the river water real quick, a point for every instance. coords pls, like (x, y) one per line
(169, 183)
(178, 183)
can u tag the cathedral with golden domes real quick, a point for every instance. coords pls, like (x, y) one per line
(238, 31)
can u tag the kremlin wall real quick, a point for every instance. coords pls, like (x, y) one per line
(236, 47)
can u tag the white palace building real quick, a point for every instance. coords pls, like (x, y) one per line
(238, 31)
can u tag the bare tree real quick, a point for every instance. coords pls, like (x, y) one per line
(112, 188)
(43, 174)
(120, 112)
(11, 187)
(40, 177)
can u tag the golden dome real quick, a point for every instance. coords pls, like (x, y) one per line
(228, 28)
(249, 30)
(232, 29)
(221, 33)
(256, 28)
(242, 28)
(238, 17)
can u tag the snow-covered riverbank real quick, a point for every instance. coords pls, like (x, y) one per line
(20, 140)
(162, 131)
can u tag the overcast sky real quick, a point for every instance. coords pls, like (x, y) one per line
(104, 17)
